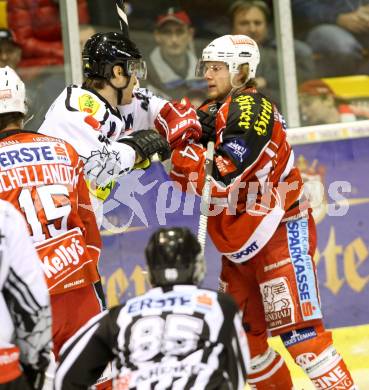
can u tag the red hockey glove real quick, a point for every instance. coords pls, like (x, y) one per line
(177, 121)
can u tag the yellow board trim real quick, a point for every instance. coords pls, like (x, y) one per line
(349, 87)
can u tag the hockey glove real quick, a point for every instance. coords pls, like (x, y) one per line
(208, 127)
(146, 143)
(177, 122)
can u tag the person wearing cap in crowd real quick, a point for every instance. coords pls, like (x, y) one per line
(254, 18)
(320, 105)
(172, 63)
(10, 52)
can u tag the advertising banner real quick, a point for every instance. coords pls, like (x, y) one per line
(336, 180)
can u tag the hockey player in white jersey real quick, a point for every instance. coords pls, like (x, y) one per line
(25, 326)
(176, 336)
(102, 118)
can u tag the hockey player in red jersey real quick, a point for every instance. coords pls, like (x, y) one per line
(259, 220)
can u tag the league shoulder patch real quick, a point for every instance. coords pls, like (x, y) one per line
(86, 103)
(237, 148)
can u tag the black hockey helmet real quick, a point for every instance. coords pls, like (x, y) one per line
(103, 51)
(174, 256)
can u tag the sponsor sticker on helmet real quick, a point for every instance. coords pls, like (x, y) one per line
(5, 94)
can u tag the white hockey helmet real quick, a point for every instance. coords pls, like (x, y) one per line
(12, 92)
(234, 50)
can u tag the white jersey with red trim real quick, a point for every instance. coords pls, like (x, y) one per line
(25, 331)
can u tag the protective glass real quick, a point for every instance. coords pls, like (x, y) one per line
(138, 68)
(203, 66)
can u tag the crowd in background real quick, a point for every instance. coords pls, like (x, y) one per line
(331, 42)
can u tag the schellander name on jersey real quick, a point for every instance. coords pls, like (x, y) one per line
(33, 175)
(30, 164)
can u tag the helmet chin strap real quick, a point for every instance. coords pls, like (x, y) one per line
(119, 90)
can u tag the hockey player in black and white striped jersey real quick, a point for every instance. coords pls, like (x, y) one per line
(25, 314)
(176, 336)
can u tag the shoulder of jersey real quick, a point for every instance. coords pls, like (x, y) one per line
(253, 110)
(8, 211)
(139, 92)
(82, 100)
(59, 150)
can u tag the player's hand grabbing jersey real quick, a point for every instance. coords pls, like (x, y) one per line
(185, 337)
(175, 121)
(25, 330)
(255, 181)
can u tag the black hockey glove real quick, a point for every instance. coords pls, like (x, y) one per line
(208, 127)
(146, 143)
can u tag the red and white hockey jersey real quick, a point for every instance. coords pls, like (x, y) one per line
(255, 184)
(43, 178)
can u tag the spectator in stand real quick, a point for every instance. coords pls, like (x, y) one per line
(36, 26)
(10, 52)
(172, 63)
(254, 18)
(338, 33)
(319, 105)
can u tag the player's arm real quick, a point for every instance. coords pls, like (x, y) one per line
(176, 121)
(87, 215)
(84, 357)
(27, 297)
